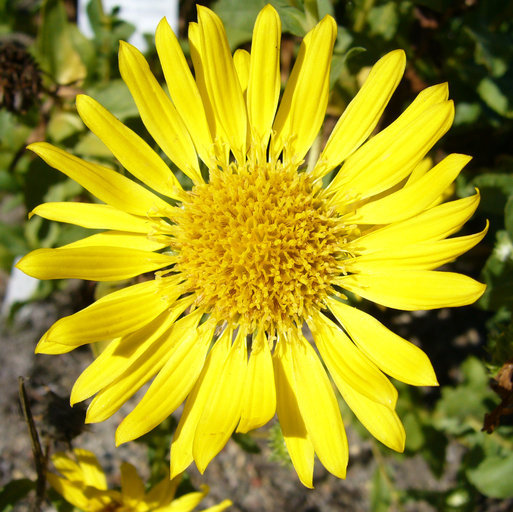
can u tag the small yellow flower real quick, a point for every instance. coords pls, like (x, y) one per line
(257, 250)
(84, 485)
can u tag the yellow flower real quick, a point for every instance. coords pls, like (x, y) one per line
(258, 251)
(84, 485)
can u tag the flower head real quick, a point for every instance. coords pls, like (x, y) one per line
(84, 484)
(257, 250)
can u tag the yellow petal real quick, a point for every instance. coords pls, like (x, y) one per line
(173, 382)
(221, 147)
(382, 422)
(116, 314)
(259, 395)
(363, 113)
(142, 365)
(50, 347)
(221, 81)
(187, 502)
(430, 225)
(219, 507)
(91, 380)
(222, 410)
(344, 359)
(412, 290)
(181, 447)
(162, 494)
(264, 77)
(93, 216)
(91, 263)
(420, 256)
(157, 112)
(107, 185)
(241, 62)
(68, 467)
(411, 200)
(121, 239)
(319, 408)
(422, 168)
(132, 487)
(92, 472)
(390, 155)
(184, 91)
(132, 152)
(299, 444)
(423, 101)
(121, 353)
(73, 493)
(393, 354)
(302, 108)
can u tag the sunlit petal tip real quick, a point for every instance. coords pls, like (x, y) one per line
(49, 347)
(329, 24)
(269, 10)
(119, 438)
(444, 86)
(208, 17)
(35, 147)
(81, 99)
(73, 398)
(27, 264)
(162, 25)
(439, 92)
(395, 59)
(124, 46)
(399, 55)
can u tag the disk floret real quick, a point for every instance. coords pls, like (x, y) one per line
(258, 246)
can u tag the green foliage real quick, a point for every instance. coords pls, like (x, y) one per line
(381, 499)
(492, 476)
(246, 442)
(55, 45)
(13, 492)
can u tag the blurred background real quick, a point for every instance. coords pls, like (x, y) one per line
(458, 455)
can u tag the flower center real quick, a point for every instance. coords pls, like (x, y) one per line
(258, 246)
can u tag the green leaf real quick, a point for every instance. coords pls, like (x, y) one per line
(13, 492)
(495, 188)
(64, 124)
(492, 50)
(462, 407)
(493, 476)
(12, 244)
(239, 18)
(466, 113)
(434, 449)
(116, 98)
(508, 217)
(55, 47)
(246, 442)
(383, 20)
(498, 274)
(13, 136)
(414, 435)
(381, 498)
(91, 146)
(493, 96)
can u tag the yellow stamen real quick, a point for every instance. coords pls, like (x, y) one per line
(258, 245)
